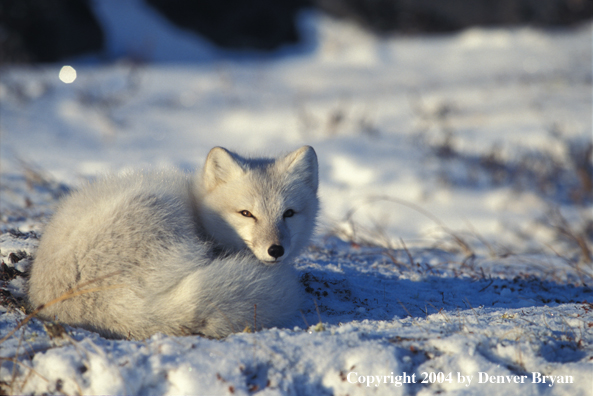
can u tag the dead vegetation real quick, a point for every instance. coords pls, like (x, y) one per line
(561, 177)
(55, 331)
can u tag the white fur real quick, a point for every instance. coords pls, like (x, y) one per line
(174, 254)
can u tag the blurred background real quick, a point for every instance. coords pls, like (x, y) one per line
(457, 123)
(33, 31)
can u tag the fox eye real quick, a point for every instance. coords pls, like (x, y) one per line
(288, 213)
(246, 213)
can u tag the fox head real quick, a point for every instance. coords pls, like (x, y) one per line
(268, 206)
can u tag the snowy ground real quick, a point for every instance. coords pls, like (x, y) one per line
(456, 225)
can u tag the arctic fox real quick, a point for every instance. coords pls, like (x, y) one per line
(166, 252)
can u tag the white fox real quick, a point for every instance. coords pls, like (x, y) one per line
(166, 252)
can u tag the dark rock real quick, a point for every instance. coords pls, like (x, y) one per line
(47, 30)
(236, 24)
(413, 16)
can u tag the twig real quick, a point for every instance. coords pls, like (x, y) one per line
(464, 245)
(317, 309)
(408, 253)
(304, 319)
(473, 310)
(69, 294)
(487, 286)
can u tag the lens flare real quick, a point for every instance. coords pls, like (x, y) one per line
(67, 74)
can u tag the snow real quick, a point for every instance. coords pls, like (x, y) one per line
(425, 262)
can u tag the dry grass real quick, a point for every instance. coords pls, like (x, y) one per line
(55, 330)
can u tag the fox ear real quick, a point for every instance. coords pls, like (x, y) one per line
(303, 164)
(220, 167)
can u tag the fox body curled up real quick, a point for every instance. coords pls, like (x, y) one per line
(177, 254)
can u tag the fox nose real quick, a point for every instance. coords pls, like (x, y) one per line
(276, 251)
